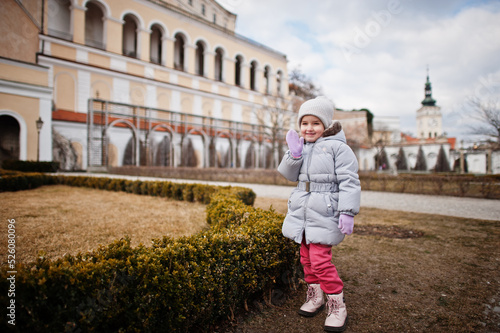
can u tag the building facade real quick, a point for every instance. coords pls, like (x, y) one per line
(174, 57)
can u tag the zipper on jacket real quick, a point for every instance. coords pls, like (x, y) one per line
(305, 211)
(307, 184)
(309, 162)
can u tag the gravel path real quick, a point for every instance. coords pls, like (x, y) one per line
(484, 209)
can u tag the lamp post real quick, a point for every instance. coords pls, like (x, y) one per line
(39, 124)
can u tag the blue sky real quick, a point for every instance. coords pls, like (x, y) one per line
(374, 54)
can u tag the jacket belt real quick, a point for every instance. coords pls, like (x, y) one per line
(317, 187)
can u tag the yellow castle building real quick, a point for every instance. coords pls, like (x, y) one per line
(135, 82)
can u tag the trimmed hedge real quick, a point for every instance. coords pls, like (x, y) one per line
(30, 166)
(176, 285)
(24, 181)
(178, 191)
(451, 184)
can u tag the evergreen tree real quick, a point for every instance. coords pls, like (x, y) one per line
(401, 163)
(212, 154)
(442, 164)
(189, 155)
(250, 157)
(421, 164)
(162, 152)
(383, 160)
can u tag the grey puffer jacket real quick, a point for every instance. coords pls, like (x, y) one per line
(328, 185)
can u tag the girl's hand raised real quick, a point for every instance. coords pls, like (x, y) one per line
(295, 144)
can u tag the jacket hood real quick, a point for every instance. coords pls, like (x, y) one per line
(335, 132)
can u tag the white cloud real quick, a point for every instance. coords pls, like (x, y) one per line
(392, 42)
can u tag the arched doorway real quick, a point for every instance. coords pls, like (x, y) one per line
(9, 138)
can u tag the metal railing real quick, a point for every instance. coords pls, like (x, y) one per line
(143, 122)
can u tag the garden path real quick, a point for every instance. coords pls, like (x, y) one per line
(485, 209)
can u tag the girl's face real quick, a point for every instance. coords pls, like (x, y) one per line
(311, 128)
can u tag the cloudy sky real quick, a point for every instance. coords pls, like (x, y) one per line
(374, 54)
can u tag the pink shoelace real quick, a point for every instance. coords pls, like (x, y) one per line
(311, 292)
(333, 305)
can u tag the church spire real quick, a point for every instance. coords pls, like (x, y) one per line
(428, 100)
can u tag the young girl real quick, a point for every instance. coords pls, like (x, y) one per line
(322, 207)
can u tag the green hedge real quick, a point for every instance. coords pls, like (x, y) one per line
(176, 285)
(24, 181)
(178, 191)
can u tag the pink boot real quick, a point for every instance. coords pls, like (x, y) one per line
(336, 320)
(314, 301)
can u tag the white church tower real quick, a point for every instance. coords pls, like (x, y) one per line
(429, 118)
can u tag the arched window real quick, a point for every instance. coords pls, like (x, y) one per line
(155, 44)
(253, 72)
(60, 25)
(267, 72)
(200, 58)
(179, 51)
(237, 70)
(94, 26)
(130, 36)
(219, 58)
(279, 75)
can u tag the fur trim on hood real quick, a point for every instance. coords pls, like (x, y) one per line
(334, 128)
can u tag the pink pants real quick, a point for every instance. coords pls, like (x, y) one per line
(316, 259)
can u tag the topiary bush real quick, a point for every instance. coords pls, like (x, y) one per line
(176, 285)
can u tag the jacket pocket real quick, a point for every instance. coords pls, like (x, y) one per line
(327, 208)
(295, 201)
(334, 205)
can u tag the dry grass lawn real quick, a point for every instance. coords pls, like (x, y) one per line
(440, 275)
(62, 219)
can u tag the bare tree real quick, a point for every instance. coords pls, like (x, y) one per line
(302, 88)
(275, 119)
(487, 115)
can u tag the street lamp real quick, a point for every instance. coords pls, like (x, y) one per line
(39, 124)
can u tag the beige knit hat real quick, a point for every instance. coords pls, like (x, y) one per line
(320, 107)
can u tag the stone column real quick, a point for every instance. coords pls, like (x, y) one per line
(189, 58)
(260, 85)
(228, 70)
(78, 13)
(114, 35)
(168, 46)
(143, 40)
(209, 64)
(272, 84)
(245, 76)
